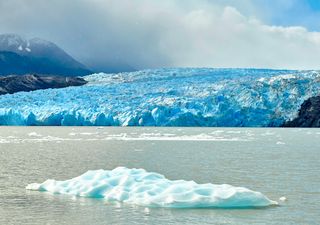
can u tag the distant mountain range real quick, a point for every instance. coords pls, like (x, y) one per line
(22, 56)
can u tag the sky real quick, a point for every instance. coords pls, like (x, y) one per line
(124, 35)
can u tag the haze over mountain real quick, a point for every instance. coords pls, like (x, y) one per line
(19, 55)
(126, 35)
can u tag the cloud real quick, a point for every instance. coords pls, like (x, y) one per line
(137, 34)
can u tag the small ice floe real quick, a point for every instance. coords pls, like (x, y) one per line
(86, 133)
(234, 132)
(139, 187)
(4, 141)
(282, 199)
(138, 150)
(147, 210)
(268, 133)
(280, 143)
(34, 134)
(170, 137)
(11, 137)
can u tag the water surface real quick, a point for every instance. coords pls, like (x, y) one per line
(276, 162)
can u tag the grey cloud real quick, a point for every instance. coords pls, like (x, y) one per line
(136, 34)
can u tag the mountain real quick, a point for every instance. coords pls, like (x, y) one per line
(22, 56)
(30, 82)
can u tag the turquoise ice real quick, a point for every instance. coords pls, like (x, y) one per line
(168, 97)
(139, 187)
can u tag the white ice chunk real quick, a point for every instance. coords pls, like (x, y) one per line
(34, 134)
(137, 186)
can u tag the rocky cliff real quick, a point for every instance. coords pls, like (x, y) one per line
(15, 83)
(309, 114)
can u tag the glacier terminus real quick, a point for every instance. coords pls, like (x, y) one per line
(168, 97)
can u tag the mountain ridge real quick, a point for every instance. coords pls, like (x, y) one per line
(19, 55)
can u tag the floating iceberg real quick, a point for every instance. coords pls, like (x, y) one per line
(136, 186)
(168, 97)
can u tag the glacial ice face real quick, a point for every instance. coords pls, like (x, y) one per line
(168, 97)
(136, 186)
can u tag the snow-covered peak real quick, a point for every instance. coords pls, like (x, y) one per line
(37, 55)
(12, 40)
(21, 45)
(14, 43)
(39, 41)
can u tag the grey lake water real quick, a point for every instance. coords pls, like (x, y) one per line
(276, 162)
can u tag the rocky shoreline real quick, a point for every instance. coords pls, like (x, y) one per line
(309, 114)
(31, 82)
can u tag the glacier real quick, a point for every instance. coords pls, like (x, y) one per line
(139, 187)
(168, 97)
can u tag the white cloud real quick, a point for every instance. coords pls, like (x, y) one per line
(151, 33)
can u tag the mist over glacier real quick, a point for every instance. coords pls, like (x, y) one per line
(168, 97)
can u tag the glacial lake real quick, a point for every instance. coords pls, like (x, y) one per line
(276, 162)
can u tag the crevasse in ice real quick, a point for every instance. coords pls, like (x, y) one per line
(168, 97)
(137, 186)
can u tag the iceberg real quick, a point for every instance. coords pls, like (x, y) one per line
(139, 187)
(168, 97)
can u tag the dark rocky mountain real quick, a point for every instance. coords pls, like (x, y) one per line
(309, 114)
(16, 83)
(22, 56)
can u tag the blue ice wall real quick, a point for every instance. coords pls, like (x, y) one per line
(168, 97)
